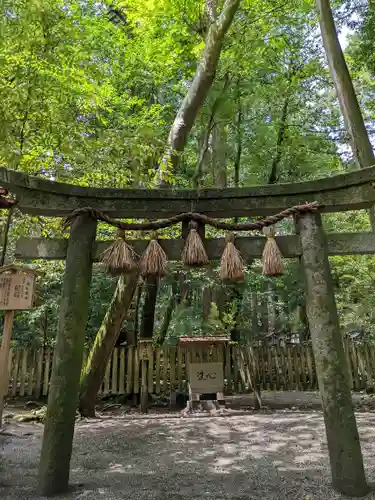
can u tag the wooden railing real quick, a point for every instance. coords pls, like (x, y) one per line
(289, 368)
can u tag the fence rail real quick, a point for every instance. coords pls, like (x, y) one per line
(278, 368)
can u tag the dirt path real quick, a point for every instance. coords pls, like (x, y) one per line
(295, 399)
(272, 456)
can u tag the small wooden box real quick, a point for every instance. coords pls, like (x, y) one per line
(17, 288)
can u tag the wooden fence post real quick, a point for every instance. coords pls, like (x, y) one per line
(4, 357)
(67, 359)
(347, 470)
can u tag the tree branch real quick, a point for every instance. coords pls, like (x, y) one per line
(198, 90)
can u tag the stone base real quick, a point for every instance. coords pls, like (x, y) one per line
(203, 406)
(208, 408)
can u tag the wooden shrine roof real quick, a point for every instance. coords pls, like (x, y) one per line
(204, 340)
(12, 268)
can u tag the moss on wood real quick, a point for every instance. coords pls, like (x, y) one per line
(41, 197)
(348, 475)
(67, 360)
(105, 340)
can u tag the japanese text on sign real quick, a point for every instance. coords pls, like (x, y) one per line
(16, 291)
(206, 377)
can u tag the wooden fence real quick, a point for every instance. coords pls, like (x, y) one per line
(278, 368)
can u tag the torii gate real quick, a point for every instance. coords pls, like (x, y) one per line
(350, 191)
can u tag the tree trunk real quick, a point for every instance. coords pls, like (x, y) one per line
(136, 311)
(237, 161)
(146, 332)
(304, 333)
(263, 308)
(210, 129)
(274, 175)
(349, 105)
(5, 236)
(148, 313)
(254, 315)
(271, 307)
(105, 340)
(219, 156)
(173, 300)
(237, 297)
(199, 88)
(353, 119)
(206, 302)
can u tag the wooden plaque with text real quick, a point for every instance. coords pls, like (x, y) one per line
(16, 289)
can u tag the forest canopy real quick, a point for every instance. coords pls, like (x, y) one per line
(90, 94)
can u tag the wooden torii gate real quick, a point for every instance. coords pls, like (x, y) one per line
(310, 244)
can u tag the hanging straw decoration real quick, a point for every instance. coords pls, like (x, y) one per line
(194, 253)
(119, 257)
(231, 264)
(154, 259)
(272, 260)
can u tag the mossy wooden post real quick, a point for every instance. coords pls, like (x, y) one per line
(345, 455)
(67, 360)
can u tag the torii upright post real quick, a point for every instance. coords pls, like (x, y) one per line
(67, 359)
(344, 447)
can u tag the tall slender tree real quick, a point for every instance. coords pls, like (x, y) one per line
(351, 111)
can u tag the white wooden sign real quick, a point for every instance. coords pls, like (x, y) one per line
(206, 377)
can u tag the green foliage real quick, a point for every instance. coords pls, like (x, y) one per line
(88, 91)
(37, 327)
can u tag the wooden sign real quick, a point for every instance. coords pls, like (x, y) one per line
(206, 377)
(16, 289)
(145, 352)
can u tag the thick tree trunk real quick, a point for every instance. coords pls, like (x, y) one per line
(105, 340)
(199, 88)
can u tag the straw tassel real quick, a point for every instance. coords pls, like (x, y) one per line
(154, 259)
(231, 264)
(194, 253)
(272, 259)
(119, 257)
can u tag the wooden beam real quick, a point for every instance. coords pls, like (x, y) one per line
(251, 246)
(342, 192)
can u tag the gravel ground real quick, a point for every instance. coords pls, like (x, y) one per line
(271, 456)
